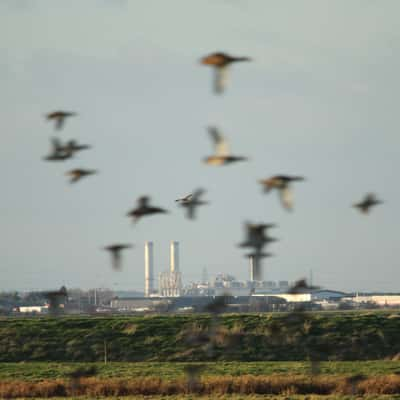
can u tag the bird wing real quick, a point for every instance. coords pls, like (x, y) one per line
(116, 259)
(190, 211)
(220, 143)
(370, 197)
(286, 195)
(220, 79)
(75, 177)
(143, 201)
(188, 197)
(197, 193)
(59, 122)
(56, 144)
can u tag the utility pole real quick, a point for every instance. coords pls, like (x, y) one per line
(105, 351)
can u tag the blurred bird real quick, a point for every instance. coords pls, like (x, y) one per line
(58, 152)
(191, 201)
(370, 200)
(78, 173)
(143, 208)
(72, 146)
(256, 237)
(222, 154)
(301, 286)
(56, 300)
(220, 62)
(282, 183)
(59, 117)
(115, 251)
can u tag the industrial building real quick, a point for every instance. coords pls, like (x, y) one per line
(171, 295)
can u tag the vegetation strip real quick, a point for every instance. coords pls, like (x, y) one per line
(277, 385)
(35, 371)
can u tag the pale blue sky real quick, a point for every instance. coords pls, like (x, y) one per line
(320, 99)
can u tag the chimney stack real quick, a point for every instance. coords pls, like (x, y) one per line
(148, 269)
(174, 257)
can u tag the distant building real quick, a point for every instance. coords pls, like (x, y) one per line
(383, 300)
(308, 296)
(32, 309)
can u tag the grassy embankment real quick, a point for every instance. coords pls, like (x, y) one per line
(243, 337)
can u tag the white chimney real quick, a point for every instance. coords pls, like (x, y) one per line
(174, 257)
(148, 269)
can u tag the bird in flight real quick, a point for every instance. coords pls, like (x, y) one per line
(56, 300)
(59, 117)
(220, 61)
(144, 208)
(115, 251)
(222, 154)
(257, 237)
(191, 202)
(58, 151)
(369, 200)
(78, 173)
(283, 184)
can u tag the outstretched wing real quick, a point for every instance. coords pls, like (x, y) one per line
(190, 211)
(370, 198)
(59, 122)
(220, 144)
(116, 259)
(143, 201)
(196, 194)
(286, 195)
(75, 178)
(56, 144)
(220, 79)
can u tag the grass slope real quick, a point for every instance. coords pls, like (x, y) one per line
(234, 337)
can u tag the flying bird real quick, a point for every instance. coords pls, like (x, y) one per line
(56, 300)
(58, 151)
(143, 208)
(283, 184)
(220, 62)
(115, 251)
(222, 154)
(257, 237)
(59, 117)
(78, 173)
(370, 200)
(191, 202)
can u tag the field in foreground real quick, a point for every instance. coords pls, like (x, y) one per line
(193, 383)
(222, 380)
(200, 337)
(35, 371)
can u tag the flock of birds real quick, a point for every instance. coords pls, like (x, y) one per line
(257, 237)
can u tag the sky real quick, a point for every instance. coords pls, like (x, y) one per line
(319, 99)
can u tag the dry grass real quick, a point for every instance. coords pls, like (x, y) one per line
(222, 385)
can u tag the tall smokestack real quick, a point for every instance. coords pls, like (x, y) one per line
(174, 257)
(148, 269)
(255, 268)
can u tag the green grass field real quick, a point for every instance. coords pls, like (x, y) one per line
(35, 371)
(233, 337)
